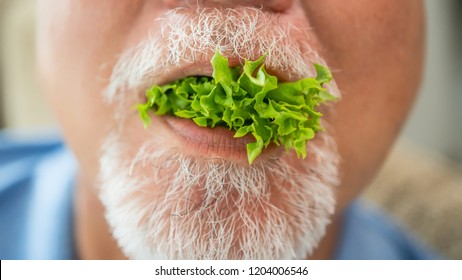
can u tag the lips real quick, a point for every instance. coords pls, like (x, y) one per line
(212, 143)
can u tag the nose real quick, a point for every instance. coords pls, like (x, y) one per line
(274, 5)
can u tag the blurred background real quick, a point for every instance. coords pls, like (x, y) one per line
(420, 183)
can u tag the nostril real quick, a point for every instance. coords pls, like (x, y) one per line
(174, 3)
(280, 5)
(274, 5)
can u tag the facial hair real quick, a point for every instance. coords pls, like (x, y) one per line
(163, 204)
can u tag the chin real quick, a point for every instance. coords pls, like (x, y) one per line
(162, 203)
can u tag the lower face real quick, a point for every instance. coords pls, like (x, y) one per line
(178, 191)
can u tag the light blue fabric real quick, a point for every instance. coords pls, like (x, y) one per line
(36, 186)
(369, 234)
(36, 209)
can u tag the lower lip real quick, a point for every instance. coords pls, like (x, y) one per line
(213, 143)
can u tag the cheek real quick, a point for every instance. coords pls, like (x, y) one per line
(375, 49)
(77, 43)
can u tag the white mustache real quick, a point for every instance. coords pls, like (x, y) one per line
(188, 35)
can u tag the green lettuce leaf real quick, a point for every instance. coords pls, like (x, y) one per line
(247, 100)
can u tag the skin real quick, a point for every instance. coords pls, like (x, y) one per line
(374, 47)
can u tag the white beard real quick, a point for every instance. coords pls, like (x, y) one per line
(164, 205)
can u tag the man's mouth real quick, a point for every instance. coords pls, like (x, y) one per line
(248, 101)
(218, 142)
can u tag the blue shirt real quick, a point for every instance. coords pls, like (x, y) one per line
(37, 179)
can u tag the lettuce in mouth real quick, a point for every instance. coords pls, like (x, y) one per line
(248, 100)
